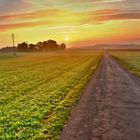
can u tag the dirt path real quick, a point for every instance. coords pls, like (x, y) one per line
(109, 109)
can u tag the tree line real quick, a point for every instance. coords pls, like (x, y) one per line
(49, 45)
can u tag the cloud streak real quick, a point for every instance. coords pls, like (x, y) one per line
(97, 17)
(5, 27)
(8, 6)
(32, 15)
(101, 16)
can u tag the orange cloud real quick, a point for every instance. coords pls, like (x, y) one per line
(122, 16)
(107, 40)
(111, 14)
(111, 40)
(32, 15)
(5, 27)
(104, 12)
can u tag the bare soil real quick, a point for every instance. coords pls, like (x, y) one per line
(109, 108)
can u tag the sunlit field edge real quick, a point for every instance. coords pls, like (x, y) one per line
(128, 59)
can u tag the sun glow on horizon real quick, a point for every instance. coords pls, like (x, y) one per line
(67, 38)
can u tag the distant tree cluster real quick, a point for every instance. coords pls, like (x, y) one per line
(50, 45)
(7, 49)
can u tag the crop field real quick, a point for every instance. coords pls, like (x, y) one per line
(39, 90)
(129, 59)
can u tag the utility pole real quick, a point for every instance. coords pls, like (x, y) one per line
(13, 39)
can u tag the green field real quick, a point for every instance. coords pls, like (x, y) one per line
(39, 90)
(129, 59)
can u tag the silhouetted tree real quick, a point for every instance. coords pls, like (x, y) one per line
(23, 47)
(32, 47)
(44, 46)
(50, 45)
(39, 46)
(62, 46)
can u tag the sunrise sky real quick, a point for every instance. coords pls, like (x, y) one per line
(75, 22)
